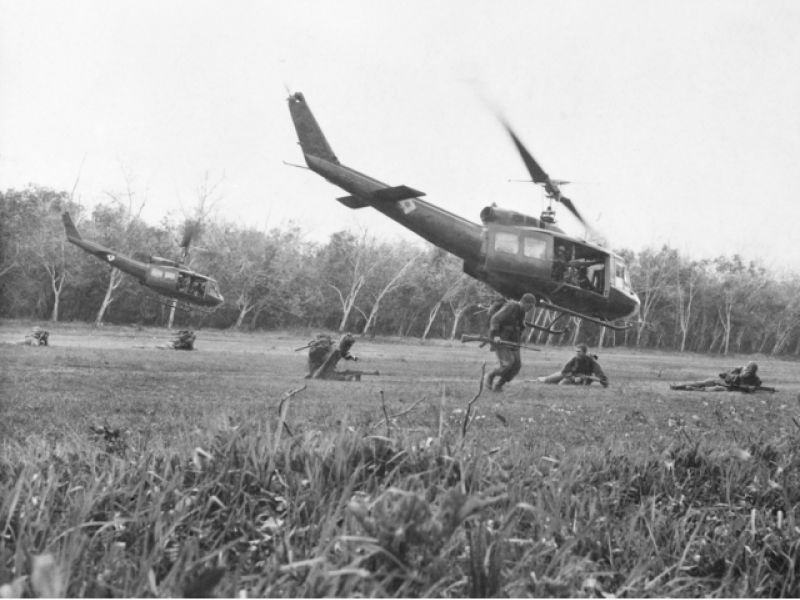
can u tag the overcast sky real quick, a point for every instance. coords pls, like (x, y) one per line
(678, 122)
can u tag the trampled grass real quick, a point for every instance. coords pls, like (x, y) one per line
(146, 472)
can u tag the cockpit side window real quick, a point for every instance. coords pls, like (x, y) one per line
(534, 247)
(507, 243)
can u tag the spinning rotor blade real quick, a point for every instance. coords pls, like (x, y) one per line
(571, 208)
(539, 176)
(191, 228)
(537, 173)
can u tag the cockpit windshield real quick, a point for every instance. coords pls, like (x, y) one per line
(621, 275)
(212, 289)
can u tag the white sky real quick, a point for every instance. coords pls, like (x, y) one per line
(678, 121)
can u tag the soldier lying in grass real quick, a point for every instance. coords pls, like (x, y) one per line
(739, 379)
(182, 340)
(581, 369)
(37, 337)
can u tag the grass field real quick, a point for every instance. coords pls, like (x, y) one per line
(370, 488)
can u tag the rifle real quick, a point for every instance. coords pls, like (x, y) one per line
(486, 340)
(750, 389)
(591, 378)
(357, 374)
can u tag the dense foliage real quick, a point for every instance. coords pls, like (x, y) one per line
(280, 279)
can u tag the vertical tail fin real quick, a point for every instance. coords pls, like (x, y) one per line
(69, 227)
(312, 140)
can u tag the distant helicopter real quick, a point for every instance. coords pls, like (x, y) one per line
(511, 252)
(162, 275)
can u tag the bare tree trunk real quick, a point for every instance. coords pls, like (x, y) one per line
(373, 314)
(431, 318)
(245, 304)
(457, 314)
(780, 340)
(56, 284)
(349, 300)
(114, 281)
(243, 310)
(601, 337)
(577, 331)
(725, 320)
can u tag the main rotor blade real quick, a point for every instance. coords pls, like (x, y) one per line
(537, 172)
(539, 176)
(571, 208)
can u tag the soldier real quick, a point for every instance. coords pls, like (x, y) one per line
(744, 379)
(323, 357)
(183, 340)
(560, 263)
(581, 369)
(506, 325)
(37, 337)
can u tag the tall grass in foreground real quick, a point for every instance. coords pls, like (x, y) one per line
(256, 511)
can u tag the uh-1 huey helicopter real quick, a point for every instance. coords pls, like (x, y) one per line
(511, 252)
(162, 275)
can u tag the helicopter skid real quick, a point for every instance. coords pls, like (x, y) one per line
(598, 321)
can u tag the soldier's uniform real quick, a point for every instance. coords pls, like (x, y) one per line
(507, 324)
(739, 378)
(184, 340)
(579, 370)
(318, 350)
(323, 357)
(37, 337)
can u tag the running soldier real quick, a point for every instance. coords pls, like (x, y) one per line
(507, 325)
(581, 369)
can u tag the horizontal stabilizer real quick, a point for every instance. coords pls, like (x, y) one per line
(395, 194)
(352, 202)
(389, 194)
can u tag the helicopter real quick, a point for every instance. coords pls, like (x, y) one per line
(162, 275)
(513, 253)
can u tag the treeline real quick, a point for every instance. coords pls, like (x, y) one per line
(355, 282)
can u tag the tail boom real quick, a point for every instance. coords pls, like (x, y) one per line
(455, 234)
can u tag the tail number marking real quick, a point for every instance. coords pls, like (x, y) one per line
(407, 205)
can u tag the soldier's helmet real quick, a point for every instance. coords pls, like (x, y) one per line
(528, 298)
(346, 342)
(582, 348)
(322, 340)
(750, 368)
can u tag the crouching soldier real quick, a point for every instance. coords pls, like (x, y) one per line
(742, 379)
(324, 356)
(581, 369)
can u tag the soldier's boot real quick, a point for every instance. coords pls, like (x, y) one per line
(489, 379)
(498, 387)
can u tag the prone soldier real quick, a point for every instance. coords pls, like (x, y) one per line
(183, 340)
(37, 337)
(741, 379)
